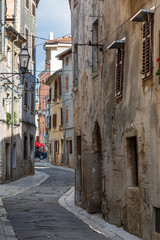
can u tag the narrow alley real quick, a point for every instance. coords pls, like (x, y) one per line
(36, 213)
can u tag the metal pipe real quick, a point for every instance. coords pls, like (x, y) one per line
(15, 10)
(3, 30)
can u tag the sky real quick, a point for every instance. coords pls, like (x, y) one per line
(52, 16)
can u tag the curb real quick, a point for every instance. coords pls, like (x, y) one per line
(95, 221)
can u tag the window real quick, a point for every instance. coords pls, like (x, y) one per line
(55, 90)
(33, 10)
(60, 86)
(54, 120)
(119, 72)
(147, 32)
(49, 122)
(27, 3)
(66, 116)
(132, 164)
(67, 61)
(26, 37)
(67, 77)
(56, 146)
(61, 116)
(32, 98)
(157, 222)
(25, 94)
(94, 48)
(70, 146)
(33, 48)
(25, 150)
(50, 94)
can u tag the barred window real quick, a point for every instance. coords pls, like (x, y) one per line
(147, 31)
(119, 72)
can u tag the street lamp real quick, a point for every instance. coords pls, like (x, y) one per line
(24, 59)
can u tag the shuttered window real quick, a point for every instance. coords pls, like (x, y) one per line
(54, 120)
(67, 77)
(33, 9)
(66, 116)
(147, 49)
(60, 87)
(61, 116)
(119, 72)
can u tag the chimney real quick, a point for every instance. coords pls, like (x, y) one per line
(51, 36)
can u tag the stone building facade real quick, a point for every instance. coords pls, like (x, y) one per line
(67, 107)
(116, 111)
(17, 115)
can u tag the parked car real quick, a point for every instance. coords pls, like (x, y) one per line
(39, 154)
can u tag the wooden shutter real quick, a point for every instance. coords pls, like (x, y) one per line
(67, 61)
(55, 90)
(54, 120)
(147, 33)
(66, 116)
(67, 77)
(60, 86)
(33, 10)
(119, 72)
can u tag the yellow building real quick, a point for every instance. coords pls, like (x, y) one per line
(55, 131)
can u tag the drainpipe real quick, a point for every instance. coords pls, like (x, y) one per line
(12, 127)
(3, 30)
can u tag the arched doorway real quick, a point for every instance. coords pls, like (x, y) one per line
(96, 200)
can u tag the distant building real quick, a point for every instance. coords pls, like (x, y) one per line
(43, 102)
(56, 127)
(67, 107)
(53, 48)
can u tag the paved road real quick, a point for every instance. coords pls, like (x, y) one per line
(36, 213)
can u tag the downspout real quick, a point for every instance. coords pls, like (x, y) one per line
(12, 127)
(3, 30)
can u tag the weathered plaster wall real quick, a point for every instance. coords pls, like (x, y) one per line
(136, 114)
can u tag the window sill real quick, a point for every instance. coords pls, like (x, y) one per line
(25, 108)
(147, 81)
